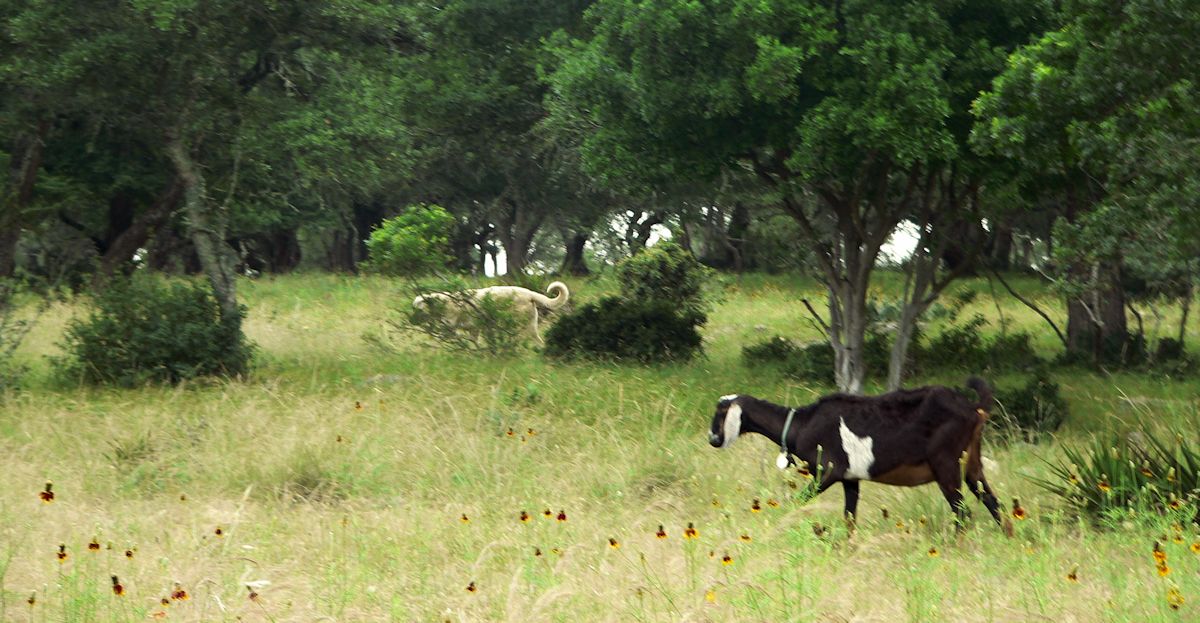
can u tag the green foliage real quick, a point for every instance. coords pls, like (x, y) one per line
(1032, 412)
(665, 272)
(771, 246)
(1113, 474)
(458, 321)
(773, 350)
(414, 242)
(965, 345)
(814, 361)
(628, 330)
(146, 330)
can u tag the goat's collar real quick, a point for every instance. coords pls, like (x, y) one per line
(782, 461)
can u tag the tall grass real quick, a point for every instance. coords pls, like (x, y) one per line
(339, 477)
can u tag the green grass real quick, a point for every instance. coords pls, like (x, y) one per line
(339, 473)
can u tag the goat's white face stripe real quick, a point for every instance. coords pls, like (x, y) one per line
(729, 397)
(733, 424)
(858, 452)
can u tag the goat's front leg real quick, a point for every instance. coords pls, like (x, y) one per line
(850, 487)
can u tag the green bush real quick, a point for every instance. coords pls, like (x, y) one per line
(622, 329)
(146, 330)
(455, 320)
(1031, 412)
(665, 272)
(1141, 470)
(815, 361)
(774, 350)
(965, 345)
(415, 242)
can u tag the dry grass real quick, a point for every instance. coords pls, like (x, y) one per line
(340, 475)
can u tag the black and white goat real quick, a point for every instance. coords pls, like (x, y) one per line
(906, 438)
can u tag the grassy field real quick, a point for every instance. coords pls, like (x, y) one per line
(345, 483)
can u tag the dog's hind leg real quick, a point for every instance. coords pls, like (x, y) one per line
(534, 323)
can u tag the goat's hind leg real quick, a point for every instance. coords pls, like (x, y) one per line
(983, 493)
(947, 475)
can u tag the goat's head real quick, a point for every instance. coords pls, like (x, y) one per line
(726, 422)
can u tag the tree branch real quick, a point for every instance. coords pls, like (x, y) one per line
(1030, 305)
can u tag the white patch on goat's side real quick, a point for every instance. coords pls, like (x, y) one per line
(858, 452)
(728, 398)
(733, 424)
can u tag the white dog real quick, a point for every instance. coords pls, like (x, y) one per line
(524, 301)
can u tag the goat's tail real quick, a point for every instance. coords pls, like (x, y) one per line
(986, 397)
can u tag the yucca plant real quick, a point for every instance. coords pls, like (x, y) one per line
(1141, 470)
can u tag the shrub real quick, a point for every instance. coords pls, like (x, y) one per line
(146, 330)
(1141, 470)
(456, 320)
(665, 272)
(964, 345)
(415, 242)
(774, 350)
(814, 361)
(623, 329)
(1031, 412)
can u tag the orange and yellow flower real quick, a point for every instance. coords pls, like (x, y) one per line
(47, 494)
(117, 588)
(690, 532)
(1174, 598)
(661, 534)
(1018, 512)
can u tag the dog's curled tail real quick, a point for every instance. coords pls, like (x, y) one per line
(986, 397)
(560, 292)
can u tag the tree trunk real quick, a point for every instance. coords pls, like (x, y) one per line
(133, 237)
(25, 160)
(573, 261)
(1183, 318)
(847, 330)
(207, 225)
(516, 253)
(339, 253)
(518, 226)
(285, 251)
(735, 236)
(898, 358)
(1096, 323)
(1000, 253)
(8, 249)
